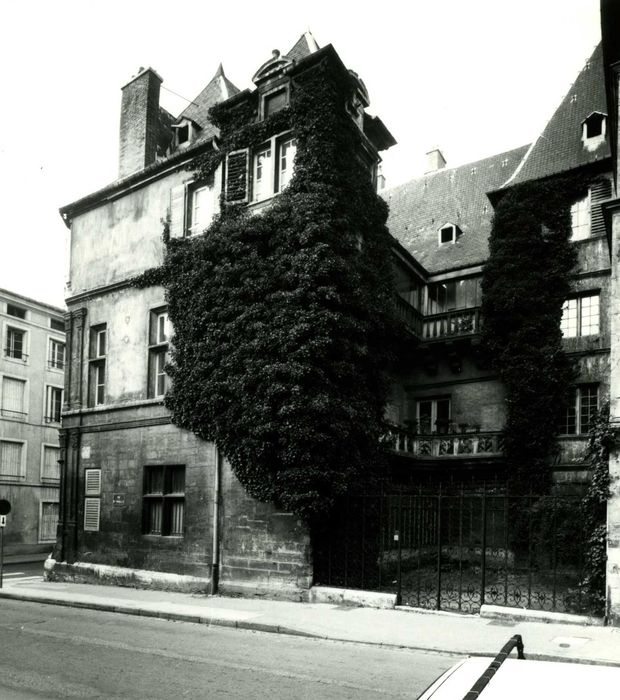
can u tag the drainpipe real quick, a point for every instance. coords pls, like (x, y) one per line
(215, 565)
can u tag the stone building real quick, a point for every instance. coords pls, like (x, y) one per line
(162, 507)
(32, 379)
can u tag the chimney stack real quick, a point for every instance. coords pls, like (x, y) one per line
(434, 161)
(139, 122)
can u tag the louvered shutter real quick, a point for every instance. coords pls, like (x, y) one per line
(177, 211)
(599, 192)
(92, 513)
(92, 482)
(13, 395)
(237, 176)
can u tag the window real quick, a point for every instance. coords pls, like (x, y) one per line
(274, 102)
(97, 368)
(582, 404)
(57, 324)
(433, 415)
(449, 233)
(12, 459)
(581, 316)
(50, 469)
(183, 133)
(159, 333)
(594, 127)
(580, 219)
(164, 500)
(56, 354)
(201, 207)
(273, 167)
(53, 404)
(15, 344)
(13, 398)
(92, 500)
(453, 294)
(48, 521)
(17, 311)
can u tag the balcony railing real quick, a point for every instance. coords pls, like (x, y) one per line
(56, 364)
(15, 354)
(452, 324)
(409, 315)
(447, 444)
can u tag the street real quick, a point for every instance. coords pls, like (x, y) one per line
(28, 571)
(57, 652)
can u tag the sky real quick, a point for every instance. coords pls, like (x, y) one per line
(470, 77)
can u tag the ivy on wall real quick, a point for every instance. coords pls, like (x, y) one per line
(284, 322)
(524, 285)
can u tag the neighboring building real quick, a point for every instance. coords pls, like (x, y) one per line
(31, 394)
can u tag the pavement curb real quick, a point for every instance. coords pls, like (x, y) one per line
(267, 627)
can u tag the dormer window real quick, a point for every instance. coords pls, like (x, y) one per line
(449, 234)
(185, 132)
(594, 130)
(274, 102)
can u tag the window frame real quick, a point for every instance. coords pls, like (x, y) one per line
(579, 315)
(585, 227)
(23, 456)
(24, 356)
(158, 353)
(53, 363)
(15, 415)
(581, 428)
(48, 415)
(277, 89)
(42, 502)
(45, 477)
(434, 413)
(271, 180)
(166, 498)
(11, 307)
(191, 228)
(98, 336)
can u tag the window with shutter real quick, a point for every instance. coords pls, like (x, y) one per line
(48, 520)
(177, 211)
(13, 398)
(599, 192)
(50, 469)
(11, 459)
(92, 513)
(237, 172)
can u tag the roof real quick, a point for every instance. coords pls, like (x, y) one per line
(29, 301)
(218, 89)
(559, 148)
(303, 47)
(419, 208)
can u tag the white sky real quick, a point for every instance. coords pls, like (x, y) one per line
(472, 77)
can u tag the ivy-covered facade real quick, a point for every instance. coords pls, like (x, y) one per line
(253, 332)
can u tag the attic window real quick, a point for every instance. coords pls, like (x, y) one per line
(275, 102)
(449, 233)
(594, 126)
(183, 134)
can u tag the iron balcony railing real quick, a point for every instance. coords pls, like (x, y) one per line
(16, 354)
(445, 444)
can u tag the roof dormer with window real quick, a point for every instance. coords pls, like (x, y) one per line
(594, 130)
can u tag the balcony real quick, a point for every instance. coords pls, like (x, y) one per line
(15, 354)
(451, 324)
(460, 323)
(449, 443)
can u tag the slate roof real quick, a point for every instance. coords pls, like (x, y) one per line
(559, 148)
(303, 47)
(217, 90)
(419, 208)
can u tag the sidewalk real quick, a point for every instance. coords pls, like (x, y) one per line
(445, 632)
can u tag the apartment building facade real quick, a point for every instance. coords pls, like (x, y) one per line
(32, 385)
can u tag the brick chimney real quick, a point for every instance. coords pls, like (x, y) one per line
(434, 161)
(139, 122)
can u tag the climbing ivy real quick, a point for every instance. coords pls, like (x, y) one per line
(601, 439)
(524, 285)
(283, 320)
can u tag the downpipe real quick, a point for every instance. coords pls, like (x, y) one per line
(215, 562)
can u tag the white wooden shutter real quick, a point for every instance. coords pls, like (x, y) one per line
(177, 211)
(92, 482)
(92, 513)
(13, 395)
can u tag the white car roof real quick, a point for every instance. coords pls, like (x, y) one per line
(518, 680)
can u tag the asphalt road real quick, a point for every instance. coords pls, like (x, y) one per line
(21, 572)
(54, 652)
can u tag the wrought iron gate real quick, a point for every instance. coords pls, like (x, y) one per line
(458, 551)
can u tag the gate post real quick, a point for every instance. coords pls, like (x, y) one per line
(399, 532)
(439, 549)
(483, 560)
